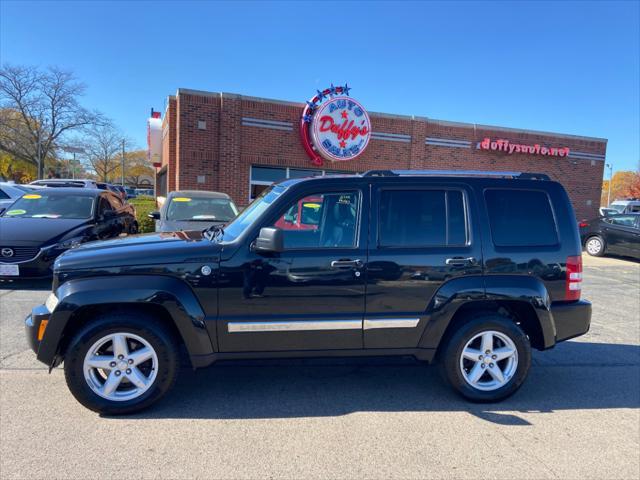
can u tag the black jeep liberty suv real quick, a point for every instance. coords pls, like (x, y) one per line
(469, 270)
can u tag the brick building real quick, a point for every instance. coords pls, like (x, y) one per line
(239, 145)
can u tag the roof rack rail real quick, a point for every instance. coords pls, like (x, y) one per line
(456, 173)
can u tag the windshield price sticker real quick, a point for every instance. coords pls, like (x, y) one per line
(16, 212)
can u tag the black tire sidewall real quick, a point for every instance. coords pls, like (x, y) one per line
(159, 338)
(456, 343)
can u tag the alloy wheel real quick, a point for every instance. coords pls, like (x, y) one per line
(594, 246)
(489, 360)
(120, 366)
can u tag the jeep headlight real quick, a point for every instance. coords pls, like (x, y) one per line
(52, 302)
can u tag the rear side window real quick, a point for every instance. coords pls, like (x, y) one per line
(414, 218)
(520, 218)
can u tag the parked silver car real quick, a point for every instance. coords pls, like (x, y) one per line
(66, 182)
(194, 210)
(10, 192)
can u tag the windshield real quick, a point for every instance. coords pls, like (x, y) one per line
(252, 212)
(201, 209)
(618, 207)
(42, 205)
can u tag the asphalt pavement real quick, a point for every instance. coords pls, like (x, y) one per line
(577, 416)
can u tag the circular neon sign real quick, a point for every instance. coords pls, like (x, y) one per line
(337, 129)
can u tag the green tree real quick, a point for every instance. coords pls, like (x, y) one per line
(624, 184)
(37, 109)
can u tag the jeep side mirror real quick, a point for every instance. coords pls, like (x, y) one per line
(270, 240)
(154, 215)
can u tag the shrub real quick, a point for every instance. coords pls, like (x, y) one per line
(144, 205)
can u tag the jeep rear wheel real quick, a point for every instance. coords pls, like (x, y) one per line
(120, 363)
(487, 359)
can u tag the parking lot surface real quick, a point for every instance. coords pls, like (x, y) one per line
(577, 416)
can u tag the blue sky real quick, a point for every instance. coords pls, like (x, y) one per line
(566, 67)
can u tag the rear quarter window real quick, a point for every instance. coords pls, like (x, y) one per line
(520, 218)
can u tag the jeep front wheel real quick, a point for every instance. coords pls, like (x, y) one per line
(487, 359)
(121, 363)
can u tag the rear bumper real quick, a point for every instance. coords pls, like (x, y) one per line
(571, 319)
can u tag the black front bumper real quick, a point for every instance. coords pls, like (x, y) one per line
(37, 268)
(571, 319)
(32, 326)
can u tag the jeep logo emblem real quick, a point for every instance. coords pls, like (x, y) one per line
(7, 252)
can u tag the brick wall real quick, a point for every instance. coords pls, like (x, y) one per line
(221, 150)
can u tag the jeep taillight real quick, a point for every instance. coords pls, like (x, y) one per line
(574, 278)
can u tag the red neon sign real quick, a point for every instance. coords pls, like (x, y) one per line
(506, 146)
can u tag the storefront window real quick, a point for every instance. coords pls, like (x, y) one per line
(262, 177)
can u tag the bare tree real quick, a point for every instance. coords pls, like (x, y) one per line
(37, 108)
(102, 145)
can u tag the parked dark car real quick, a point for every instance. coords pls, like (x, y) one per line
(45, 223)
(465, 269)
(194, 210)
(617, 234)
(112, 188)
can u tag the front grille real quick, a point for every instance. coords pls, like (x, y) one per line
(20, 254)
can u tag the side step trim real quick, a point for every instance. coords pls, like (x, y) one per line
(370, 324)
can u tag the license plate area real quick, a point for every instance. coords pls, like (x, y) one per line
(9, 270)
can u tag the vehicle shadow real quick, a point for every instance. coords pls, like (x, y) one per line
(579, 376)
(44, 284)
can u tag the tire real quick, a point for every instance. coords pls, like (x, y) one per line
(594, 246)
(459, 371)
(141, 381)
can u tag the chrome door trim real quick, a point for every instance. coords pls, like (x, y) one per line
(294, 326)
(370, 323)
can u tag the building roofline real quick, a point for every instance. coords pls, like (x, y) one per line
(445, 123)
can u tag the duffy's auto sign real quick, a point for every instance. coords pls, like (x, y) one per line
(334, 126)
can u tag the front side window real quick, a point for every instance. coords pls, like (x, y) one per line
(623, 220)
(323, 220)
(36, 205)
(520, 218)
(414, 218)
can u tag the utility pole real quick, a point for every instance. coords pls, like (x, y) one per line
(40, 169)
(122, 162)
(610, 182)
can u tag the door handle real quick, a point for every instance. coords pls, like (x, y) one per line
(346, 263)
(460, 261)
